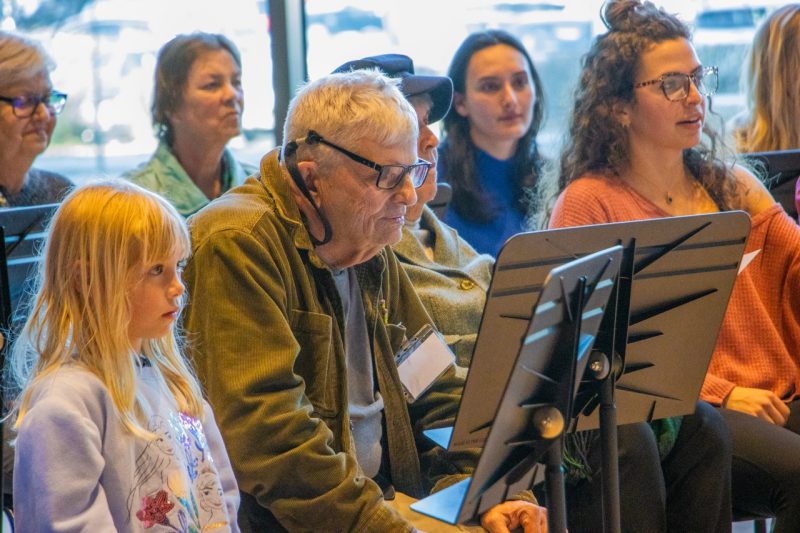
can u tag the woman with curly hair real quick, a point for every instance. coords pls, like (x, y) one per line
(636, 151)
(489, 155)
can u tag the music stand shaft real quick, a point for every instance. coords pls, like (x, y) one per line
(610, 451)
(554, 485)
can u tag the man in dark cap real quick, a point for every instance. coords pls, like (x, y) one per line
(449, 276)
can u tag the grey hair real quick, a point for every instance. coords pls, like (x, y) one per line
(21, 59)
(350, 107)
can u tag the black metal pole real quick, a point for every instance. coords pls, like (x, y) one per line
(554, 485)
(610, 451)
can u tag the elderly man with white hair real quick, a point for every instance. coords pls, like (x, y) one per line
(298, 308)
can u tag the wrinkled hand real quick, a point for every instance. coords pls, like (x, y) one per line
(758, 402)
(506, 516)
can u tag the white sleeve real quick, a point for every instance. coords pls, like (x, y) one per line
(58, 464)
(223, 463)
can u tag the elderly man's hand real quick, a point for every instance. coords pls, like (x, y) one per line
(507, 516)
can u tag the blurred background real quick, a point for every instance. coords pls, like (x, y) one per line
(105, 52)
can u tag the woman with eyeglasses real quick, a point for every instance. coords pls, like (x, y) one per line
(28, 109)
(197, 108)
(636, 151)
(489, 154)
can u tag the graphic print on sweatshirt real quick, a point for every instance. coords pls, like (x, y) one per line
(176, 485)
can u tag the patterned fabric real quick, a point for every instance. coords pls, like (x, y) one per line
(40, 187)
(164, 174)
(760, 335)
(452, 285)
(78, 468)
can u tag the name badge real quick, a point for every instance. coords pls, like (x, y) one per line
(421, 361)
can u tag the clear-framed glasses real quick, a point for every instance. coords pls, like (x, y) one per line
(389, 176)
(25, 106)
(675, 85)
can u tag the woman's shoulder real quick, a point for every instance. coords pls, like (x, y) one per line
(592, 198)
(49, 178)
(752, 195)
(591, 186)
(151, 171)
(43, 187)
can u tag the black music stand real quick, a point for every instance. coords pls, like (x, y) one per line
(22, 230)
(782, 167)
(676, 277)
(537, 399)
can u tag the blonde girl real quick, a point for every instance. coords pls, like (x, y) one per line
(113, 432)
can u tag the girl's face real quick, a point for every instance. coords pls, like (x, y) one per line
(498, 97)
(654, 123)
(154, 300)
(213, 100)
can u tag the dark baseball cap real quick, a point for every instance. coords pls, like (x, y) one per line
(440, 88)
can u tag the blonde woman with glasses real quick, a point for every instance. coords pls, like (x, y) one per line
(28, 109)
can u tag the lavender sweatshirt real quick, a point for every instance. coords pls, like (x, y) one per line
(78, 469)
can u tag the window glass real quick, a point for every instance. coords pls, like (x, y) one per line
(105, 54)
(555, 33)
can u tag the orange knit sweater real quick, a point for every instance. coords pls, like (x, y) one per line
(759, 342)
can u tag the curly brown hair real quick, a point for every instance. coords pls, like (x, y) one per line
(596, 141)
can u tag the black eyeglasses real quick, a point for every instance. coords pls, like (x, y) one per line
(25, 106)
(675, 85)
(389, 176)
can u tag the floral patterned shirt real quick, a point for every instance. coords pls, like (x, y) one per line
(77, 468)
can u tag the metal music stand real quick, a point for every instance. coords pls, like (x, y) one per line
(22, 231)
(655, 342)
(538, 395)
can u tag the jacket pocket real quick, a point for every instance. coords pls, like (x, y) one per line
(316, 362)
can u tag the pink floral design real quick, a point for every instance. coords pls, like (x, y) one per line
(154, 510)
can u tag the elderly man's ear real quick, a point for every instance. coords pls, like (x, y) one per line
(309, 171)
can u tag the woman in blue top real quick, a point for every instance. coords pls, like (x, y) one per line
(489, 155)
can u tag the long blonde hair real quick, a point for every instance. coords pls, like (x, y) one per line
(98, 241)
(770, 82)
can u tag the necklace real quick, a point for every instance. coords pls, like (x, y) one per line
(669, 198)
